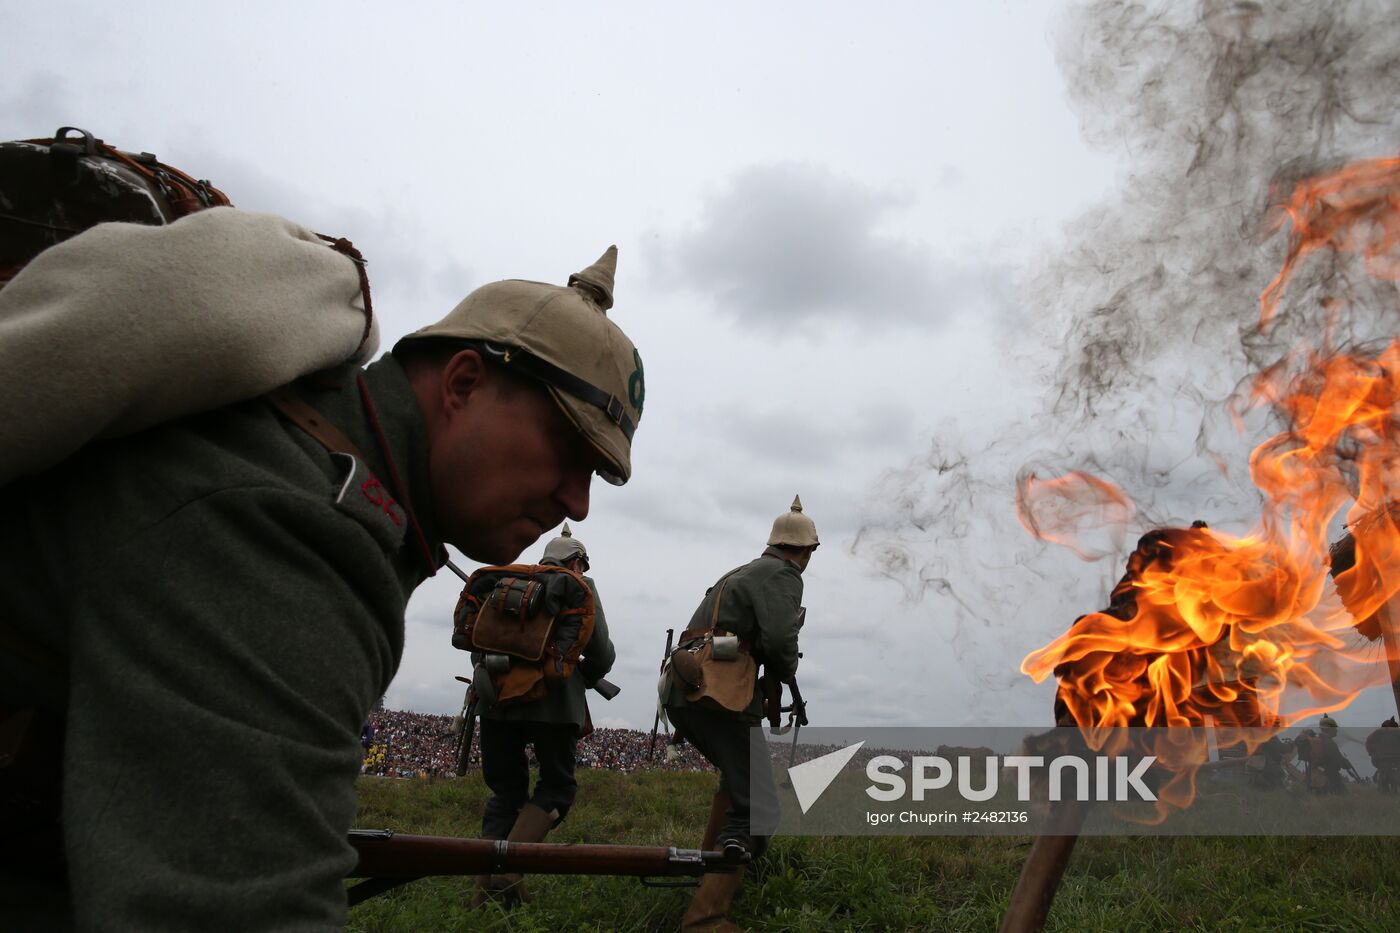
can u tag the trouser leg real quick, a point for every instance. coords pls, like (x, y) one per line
(746, 774)
(506, 771)
(719, 815)
(556, 745)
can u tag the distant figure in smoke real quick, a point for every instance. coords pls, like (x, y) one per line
(1266, 766)
(1383, 746)
(1323, 759)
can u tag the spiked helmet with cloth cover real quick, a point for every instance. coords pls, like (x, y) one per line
(793, 528)
(564, 547)
(563, 337)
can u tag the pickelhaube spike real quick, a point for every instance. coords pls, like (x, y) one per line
(797, 503)
(564, 547)
(596, 282)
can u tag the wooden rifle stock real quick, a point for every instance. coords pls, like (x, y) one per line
(389, 859)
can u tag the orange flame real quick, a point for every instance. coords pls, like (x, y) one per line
(1210, 625)
(1355, 210)
(1066, 509)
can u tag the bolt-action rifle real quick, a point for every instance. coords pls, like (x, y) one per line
(465, 723)
(389, 859)
(797, 718)
(773, 709)
(656, 720)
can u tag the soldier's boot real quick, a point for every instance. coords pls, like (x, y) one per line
(709, 908)
(719, 810)
(532, 825)
(483, 885)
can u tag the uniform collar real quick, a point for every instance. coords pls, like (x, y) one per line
(775, 553)
(405, 435)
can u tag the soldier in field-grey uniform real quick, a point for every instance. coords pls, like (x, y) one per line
(552, 724)
(206, 611)
(761, 603)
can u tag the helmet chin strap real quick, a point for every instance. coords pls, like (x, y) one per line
(564, 381)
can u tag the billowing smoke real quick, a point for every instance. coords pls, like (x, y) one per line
(1220, 113)
(1154, 301)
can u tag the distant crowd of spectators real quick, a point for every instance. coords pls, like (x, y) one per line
(626, 750)
(404, 744)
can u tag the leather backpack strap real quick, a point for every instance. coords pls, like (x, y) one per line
(313, 423)
(695, 634)
(714, 613)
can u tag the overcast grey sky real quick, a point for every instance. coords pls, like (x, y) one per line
(852, 251)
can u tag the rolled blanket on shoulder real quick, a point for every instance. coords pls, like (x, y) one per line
(126, 326)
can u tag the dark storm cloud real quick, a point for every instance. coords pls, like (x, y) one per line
(791, 243)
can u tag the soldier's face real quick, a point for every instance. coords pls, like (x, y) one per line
(505, 465)
(806, 557)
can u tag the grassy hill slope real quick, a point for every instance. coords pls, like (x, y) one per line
(888, 883)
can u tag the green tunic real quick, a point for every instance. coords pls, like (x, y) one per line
(760, 604)
(229, 598)
(569, 701)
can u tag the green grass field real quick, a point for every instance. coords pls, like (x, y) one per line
(888, 883)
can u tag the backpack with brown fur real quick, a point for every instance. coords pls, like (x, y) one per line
(531, 622)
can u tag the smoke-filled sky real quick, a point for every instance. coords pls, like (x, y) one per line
(887, 258)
